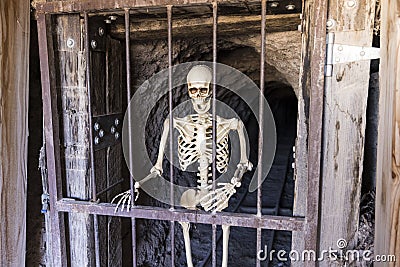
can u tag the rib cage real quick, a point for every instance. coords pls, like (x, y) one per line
(195, 140)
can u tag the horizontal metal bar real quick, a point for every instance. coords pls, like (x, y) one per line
(155, 213)
(77, 6)
(110, 187)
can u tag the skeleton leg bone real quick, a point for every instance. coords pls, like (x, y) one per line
(188, 250)
(190, 199)
(225, 233)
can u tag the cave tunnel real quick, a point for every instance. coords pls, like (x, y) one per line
(278, 187)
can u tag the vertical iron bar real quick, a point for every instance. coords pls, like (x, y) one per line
(214, 124)
(129, 95)
(261, 126)
(171, 132)
(92, 165)
(50, 119)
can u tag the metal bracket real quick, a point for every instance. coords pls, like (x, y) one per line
(107, 130)
(97, 34)
(340, 53)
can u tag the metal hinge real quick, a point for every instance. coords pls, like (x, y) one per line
(340, 53)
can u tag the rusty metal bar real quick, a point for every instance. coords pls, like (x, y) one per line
(214, 123)
(171, 131)
(92, 161)
(128, 96)
(109, 187)
(283, 223)
(261, 126)
(317, 84)
(51, 130)
(76, 6)
(170, 106)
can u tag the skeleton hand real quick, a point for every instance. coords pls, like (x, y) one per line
(125, 197)
(218, 199)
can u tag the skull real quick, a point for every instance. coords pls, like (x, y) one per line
(198, 80)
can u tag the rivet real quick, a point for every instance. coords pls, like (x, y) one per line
(340, 48)
(337, 59)
(108, 21)
(70, 43)
(96, 126)
(116, 135)
(96, 140)
(113, 130)
(290, 7)
(113, 17)
(274, 4)
(330, 23)
(351, 3)
(101, 133)
(93, 44)
(362, 53)
(116, 122)
(101, 31)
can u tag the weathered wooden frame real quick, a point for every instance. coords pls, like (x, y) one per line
(305, 223)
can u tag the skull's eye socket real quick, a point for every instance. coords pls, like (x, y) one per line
(203, 91)
(193, 90)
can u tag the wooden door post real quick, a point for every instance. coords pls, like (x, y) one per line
(387, 214)
(350, 23)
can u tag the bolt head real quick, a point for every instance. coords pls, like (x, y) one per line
(351, 3)
(70, 43)
(96, 140)
(330, 23)
(274, 4)
(108, 21)
(117, 122)
(113, 17)
(362, 53)
(116, 135)
(340, 48)
(93, 43)
(113, 130)
(290, 7)
(96, 126)
(101, 133)
(101, 31)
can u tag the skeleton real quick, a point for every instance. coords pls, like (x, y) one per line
(195, 146)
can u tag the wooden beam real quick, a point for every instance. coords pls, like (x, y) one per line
(70, 79)
(309, 126)
(14, 89)
(195, 27)
(346, 93)
(387, 228)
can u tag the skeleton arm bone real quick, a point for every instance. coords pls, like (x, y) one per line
(244, 164)
(126, 196)
(157, 168)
